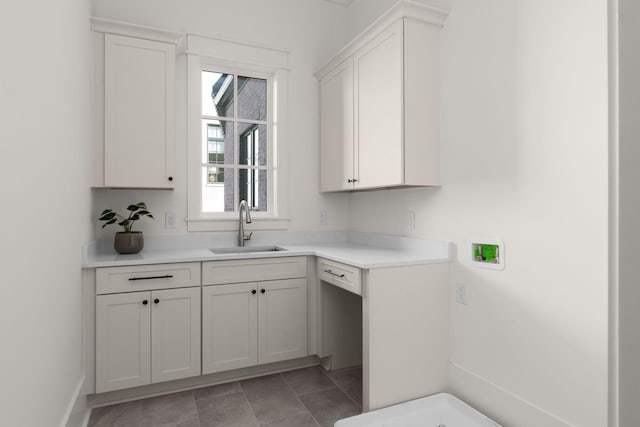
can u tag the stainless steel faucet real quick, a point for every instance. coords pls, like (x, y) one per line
(247, 216)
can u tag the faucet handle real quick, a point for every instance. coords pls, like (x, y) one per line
(248, 236)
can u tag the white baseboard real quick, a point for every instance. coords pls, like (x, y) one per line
(77, 413)
(499, 404)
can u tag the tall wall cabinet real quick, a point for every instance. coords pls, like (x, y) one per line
(134, 107)
(380, 104)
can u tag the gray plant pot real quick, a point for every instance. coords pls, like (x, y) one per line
(128, 242)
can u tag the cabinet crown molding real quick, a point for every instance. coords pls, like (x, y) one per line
(402, 9)
(102, 25)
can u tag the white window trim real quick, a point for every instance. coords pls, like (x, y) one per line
(207, 53)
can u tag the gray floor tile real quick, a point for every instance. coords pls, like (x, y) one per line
(172, 410)
(349, 380)
(304, 420)
(271, 398)
(122, 415)
(217, 390)
(306, 380)
(230, 410)
(329, 406)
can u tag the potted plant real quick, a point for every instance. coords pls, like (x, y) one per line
(127, 241)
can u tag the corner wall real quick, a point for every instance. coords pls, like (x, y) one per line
(524, 160)
(628, 209)
(44, 135)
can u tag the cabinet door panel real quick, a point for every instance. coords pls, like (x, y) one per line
(229, 327)
(336, 128)
(379, 123)
(123, 341)
(139, 113)
(175, 334)
(282, 320)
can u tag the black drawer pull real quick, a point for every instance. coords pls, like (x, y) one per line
(334, 274)
(168, 276)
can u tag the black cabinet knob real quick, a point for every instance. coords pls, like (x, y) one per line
(156, 300)
(170, 178)
(262, 291)
(254, 291)
(145, 302)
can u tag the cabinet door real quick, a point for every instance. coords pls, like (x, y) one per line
(379, 124)
(229, 327)
(139, 113)
(123, 341)
(336, 128)
(282, 320)
(175, 334)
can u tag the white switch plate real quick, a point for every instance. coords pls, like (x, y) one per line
(169, 220)
(461, 293)
(323, 217)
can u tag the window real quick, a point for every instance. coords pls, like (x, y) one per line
(238, 152)
(234, 167)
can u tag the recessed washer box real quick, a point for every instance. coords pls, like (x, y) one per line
(487, 253)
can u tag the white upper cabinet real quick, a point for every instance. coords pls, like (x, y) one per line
(336, 131)
(134, 112)
(380, 104)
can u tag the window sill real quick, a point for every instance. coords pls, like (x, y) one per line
(230, 224)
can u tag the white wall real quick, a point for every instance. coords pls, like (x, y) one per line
(310, 30)
(44, 135)
(629, 206)
(524, 159)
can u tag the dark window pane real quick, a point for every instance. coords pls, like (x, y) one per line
(252, 98)
(252, 144)
(253, 188)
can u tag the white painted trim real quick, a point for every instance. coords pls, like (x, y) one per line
(228, 224)
(402, 9)
(614, 214)
(77, 414)
(535, 415)
(102, 25)
(238, 52)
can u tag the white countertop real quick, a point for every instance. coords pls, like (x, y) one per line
(363, 250)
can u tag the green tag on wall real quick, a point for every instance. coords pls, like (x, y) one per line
(485, 253)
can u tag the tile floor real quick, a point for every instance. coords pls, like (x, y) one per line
(307, 397)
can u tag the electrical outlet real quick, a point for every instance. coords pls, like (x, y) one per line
(169, 220)
(461, 293)
(323, 217)
(411, 220)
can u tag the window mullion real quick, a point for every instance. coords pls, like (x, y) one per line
(236, 146)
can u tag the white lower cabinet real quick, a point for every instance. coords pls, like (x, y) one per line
(147, 337)
(253, 322)
(247, 324)
(229, 327)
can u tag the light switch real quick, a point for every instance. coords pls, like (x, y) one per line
(169, 220)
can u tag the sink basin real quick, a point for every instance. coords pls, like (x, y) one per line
(246, 250)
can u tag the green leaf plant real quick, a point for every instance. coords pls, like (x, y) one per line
(136, 212)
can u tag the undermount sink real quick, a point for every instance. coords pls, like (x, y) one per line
(246, 250)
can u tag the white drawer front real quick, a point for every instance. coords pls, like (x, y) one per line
(342, 275)
(147, 277)
(253, 270)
